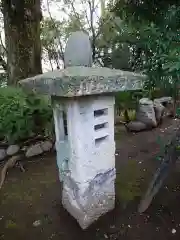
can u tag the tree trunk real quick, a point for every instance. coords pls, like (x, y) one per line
(22, 35)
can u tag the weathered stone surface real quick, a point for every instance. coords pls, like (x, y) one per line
(87, 204)
(159, 111)
(34, 150)
(164, 99)
(146, 113)
(169, 105)
(136, 126)
(12, 149)
(2, 154)
(81, 81)
(46, 146)
(78, 50)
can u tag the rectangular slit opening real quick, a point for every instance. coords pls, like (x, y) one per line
(65, 123)
(100, 140)
(100, 112)
(100, 126)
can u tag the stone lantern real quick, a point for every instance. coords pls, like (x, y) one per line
(83, 105)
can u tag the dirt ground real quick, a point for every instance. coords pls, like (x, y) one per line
(35, 197)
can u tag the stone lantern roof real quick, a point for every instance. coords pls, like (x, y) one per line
(80, 78)
(80, 81)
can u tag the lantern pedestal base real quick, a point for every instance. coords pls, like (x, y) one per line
(87, 204)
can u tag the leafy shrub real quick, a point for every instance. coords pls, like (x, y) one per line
(128, 99)
(131, 115)
(22, 115)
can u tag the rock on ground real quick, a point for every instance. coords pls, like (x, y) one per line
(164, 100)
(2, 154)
(46, 146)
(146, 113)
(12, 149)
(136, 126)
(34, 150)
(159, 110)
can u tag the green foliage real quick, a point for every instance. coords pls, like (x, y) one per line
(126, 105)
(147, 10)
(154, 42)
(22, 115)
(128, 99)
(131, 115)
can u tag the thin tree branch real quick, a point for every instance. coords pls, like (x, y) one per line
(91, 9)
(60, 44)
